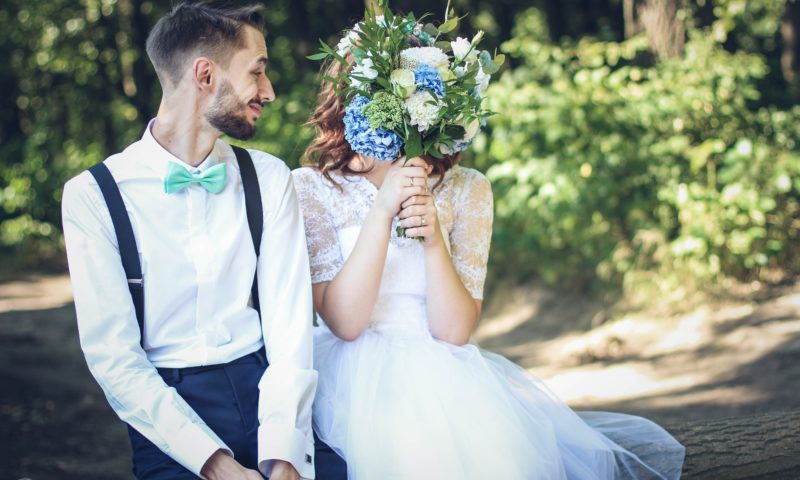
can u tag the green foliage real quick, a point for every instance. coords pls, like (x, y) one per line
(606, 166)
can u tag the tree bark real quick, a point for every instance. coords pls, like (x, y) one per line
(790, 31)
(663, 27)
(755, 447)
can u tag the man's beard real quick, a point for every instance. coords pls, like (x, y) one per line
(225, 114)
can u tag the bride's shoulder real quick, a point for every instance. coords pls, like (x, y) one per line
(306, 174)
(466, 178)
(308, 177)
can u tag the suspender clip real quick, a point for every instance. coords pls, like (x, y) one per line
(136, 281)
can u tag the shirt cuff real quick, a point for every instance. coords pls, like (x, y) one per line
(282, 442)
(193, 445)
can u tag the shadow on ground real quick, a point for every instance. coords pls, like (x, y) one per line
(55, 422)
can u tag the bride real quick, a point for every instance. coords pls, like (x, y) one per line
(402, 394)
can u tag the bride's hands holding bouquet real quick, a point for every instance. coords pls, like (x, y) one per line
(403, 181)
(419, 219)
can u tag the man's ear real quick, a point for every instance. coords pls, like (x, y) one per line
(203, 73)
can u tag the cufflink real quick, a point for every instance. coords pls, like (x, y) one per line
(309, 460)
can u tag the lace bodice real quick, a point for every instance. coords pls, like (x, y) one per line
(333, 217)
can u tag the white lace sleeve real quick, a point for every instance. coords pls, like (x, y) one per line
(472, 231)
(324, 253)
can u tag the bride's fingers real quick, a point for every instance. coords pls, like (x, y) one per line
(414, 211)
(424, 199)
(416, 162)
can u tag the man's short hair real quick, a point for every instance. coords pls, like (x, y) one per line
(211, 29)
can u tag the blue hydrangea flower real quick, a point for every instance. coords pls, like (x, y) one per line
(457, 146)
(428, 78)
(379, 143)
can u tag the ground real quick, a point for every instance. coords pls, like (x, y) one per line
(717, 358)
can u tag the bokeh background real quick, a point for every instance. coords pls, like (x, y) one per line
(646, 171)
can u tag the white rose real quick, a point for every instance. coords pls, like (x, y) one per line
(446, 74)
(403, 81)
(461, 47)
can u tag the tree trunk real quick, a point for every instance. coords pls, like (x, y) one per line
(756, 447)
(790, 31)
(663, 27)
(632, 26)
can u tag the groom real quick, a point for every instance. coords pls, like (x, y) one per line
(167, 240)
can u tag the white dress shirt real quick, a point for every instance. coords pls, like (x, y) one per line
(198, 263)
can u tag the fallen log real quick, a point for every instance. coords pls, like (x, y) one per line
(753, 447)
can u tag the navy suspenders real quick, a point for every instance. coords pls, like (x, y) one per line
(125, 239)
(252, 205)
(128, 252)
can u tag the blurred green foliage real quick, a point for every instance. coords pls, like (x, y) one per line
(606, 163)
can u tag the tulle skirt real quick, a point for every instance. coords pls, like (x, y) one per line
(406, 406)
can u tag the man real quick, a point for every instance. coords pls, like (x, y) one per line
(186, 367)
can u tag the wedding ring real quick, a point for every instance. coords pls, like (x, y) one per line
(422, 219)
(412, 181)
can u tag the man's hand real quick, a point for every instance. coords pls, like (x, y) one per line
(221, 466)
(282, 470)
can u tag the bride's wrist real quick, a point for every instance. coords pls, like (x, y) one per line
(380, 215)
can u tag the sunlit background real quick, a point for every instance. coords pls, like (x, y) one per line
(645, 161)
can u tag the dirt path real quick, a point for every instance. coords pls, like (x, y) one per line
(718, 360)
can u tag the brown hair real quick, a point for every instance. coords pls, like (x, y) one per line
(329, 151)
(209, 28)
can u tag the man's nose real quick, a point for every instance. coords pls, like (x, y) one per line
(265, 91)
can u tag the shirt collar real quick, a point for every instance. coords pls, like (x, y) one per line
(156, 157)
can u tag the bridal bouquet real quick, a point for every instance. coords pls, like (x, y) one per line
(410, 91)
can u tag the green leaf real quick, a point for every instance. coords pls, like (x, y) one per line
(413, 146)
(487, 64)
(383, 83)
(455, 131)
(449, 25)
(430, 29)
(318, 56)
(443, 45)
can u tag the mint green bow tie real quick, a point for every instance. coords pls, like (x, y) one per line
(178, 178)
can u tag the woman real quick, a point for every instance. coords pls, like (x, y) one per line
(401, 393)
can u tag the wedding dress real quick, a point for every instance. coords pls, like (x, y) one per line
(398, 404)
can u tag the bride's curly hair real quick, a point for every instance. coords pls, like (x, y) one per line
(329, 151)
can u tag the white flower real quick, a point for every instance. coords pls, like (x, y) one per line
(434, 57)
(446, 74)
(423, 108)
(460, 71)
(403, 81)
(343, 48)
(461, 47)
(471, 129)
(477, 38)
(482, 78)
(364, 69)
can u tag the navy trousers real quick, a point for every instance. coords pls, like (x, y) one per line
(226, 398)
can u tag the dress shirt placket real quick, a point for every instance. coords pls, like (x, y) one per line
(198, 251)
